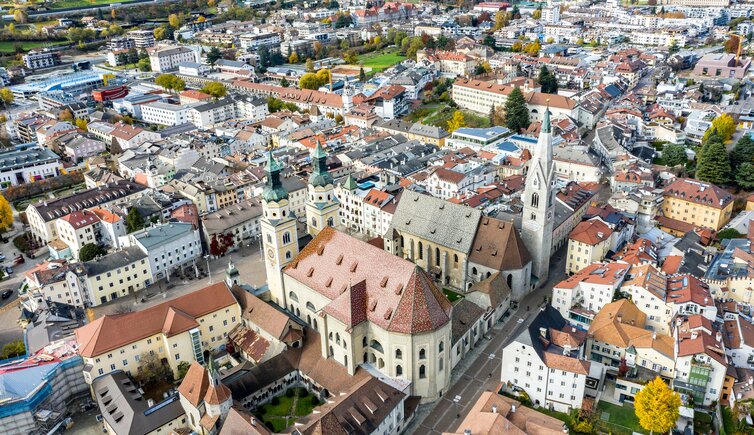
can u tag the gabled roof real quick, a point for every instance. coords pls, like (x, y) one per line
(498, 245)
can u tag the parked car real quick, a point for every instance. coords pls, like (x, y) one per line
(6, 294)
(2, 257)
(8, 270)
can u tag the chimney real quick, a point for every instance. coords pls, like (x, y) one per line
(654, 335)
(513, 408)
(543, 332)
(619, 318)
(694, 335)
(150, 403)
(467, 432)
(253, 421)
(494, 409)
(719, 337)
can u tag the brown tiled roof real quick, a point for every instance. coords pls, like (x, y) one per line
(495, 287)
(596, 273)
(672, 264)
(704, 343)
(621, 324)
(262, 314)
(591, 232)
(81, 219)
(195, 384)
(217, 394)
(675, 224)
(688, 288)
(498, 245)
(113, 331)
(448, 175)
(566, 363)
(699, 192)
(249, 341)
(239, 422)
(400, 296)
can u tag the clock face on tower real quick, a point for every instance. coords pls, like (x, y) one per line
(271, 253)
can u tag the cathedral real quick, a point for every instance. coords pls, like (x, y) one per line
(385, 306)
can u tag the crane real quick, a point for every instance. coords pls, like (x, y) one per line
(740, 39)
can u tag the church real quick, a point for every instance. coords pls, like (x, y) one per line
(385, 305)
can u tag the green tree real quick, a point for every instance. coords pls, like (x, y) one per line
(309, 65)
(152, 370)
(134, 221)
(657, 406)
(170, 82)
(13, 349)
(713, 164)
(743, 152)
(457, 121)
(174, 20)
(729, 233)
(547, 81)
(183, 368)
(745, 175)
(214, 55)
(160, 33)
(144, 65)
(309, 81)
(293, 58)
(516, 113)
(362, 75)
(216, 89)
(351, 57)
(90, 251)
(674, 155)
(284, 82)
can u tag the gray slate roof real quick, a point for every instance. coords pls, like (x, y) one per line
(114, 260)
(153, 237)
(446, 224)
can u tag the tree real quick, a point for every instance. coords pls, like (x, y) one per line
(83, 124)
(20, 16)
(90, 251)
(183, 368)
(501, 20)
(537, 14)
(339, 118)
(745, 175)
(713, 164)
(351, 57)
(674, 155)
(170, 82)
(151, 369)
(144, 65)
(293, 58)
(160, 33)
(657, 406)
(6, 214)
(174, 20)
(216, 89)
(6, 95)
(362, 75)
(731, 45)
(12, 28)
(134, 221)
(547, 81)
(309, 81)
(214, 55)
(724, 125)
(729, 233)
(65, 115)
(13, 349)
(457, 121)
(516, 113)
(309, 65)
(532, 48)
(497, 115)
(743, 152)
(284, 82)
(673, 48)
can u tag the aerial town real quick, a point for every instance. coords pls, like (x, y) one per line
(337, 217)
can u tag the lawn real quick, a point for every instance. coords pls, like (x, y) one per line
(10, 46)
(452, 296)
(282, 411)
(381, 60)
(620, 419)
(441, 117)
(63, 4)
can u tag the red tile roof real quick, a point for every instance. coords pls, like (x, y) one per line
(698, 192)
(591, 232)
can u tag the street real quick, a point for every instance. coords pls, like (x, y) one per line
(480, 371)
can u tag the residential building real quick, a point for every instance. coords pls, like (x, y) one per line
(77, 229)
(167, 58)
(588, 243)
(115, 275)
(241, 220)
(27, 165)
(165, 113)
(177, 330)
(169, 247)
(40, 59)
(697, 203)
(582, 295)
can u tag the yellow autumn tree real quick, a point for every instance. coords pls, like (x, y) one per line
(656, 406)
(724, 125)
(457, 121)
(6, 214)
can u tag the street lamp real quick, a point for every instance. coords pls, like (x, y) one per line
(209, 271)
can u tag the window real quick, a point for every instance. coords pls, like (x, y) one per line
(286, 238)
(293, 296)
(535, 200)
(177, 356)
(440, 363)
(398, 354)
(398, 370)
(421, 251)
(441, 347)
(422, 372)
(422, 354)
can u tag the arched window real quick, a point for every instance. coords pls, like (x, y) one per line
(473, 270)
(533, 217)
(315, 325)
(269, 238)
(441, 347)
(308, 319)
(337, 338)
(331, 352)
(286, 238)
(288, 255)
(293, 296)
(376, 345)
(398, 354)
(380, 363)
(330, 222)
(364, 342)
(421, 251)
(488, 275)
(422, 372)
(314, 222)
(366, 357)
(455, 259)
(330, 335)
(437, 256)
(509, 280)
(535, 200)
(398, 370)
(310, 306)
(422, 354)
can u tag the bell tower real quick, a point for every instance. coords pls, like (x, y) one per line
(539, 199)
(279, 235)
(321, 205)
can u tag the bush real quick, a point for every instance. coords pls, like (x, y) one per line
(289, 393)
(275, 401)
(28, 190)
(269, 425)
(22, 242)
(13, 349)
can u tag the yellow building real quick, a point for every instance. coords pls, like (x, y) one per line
(116, 275)
(697, 203)
(588, 243)
(177, 330)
